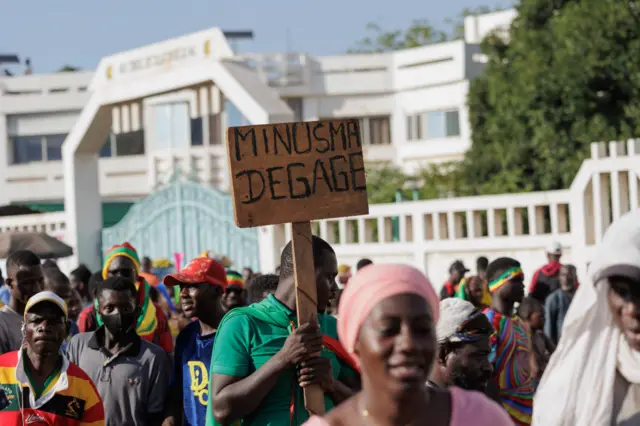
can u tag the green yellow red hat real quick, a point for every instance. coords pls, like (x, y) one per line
(234, 279)
(125, 250)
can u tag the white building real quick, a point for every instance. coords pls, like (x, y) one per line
(152, 110)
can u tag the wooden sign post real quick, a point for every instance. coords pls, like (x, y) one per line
(295, 173)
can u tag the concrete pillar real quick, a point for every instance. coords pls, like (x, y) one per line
(451, 225)
(136, 117)
(633, 190)
(471, 224)
(491, 223)
(553, 210)
(83, 206)
(270, 241)
(5, 161)
(126, 119)
(82, 200)
(204, 104)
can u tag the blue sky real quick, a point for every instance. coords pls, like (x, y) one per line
(54, 33)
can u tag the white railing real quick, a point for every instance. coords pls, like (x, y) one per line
(431, 234)
(279, 69)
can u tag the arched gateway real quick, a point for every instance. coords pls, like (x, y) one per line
(185, 217)
(199, 69)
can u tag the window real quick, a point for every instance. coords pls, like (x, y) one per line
(414, 127)
(379, 131)
(197, 138)
(29, 149)
(108, 148)
(171, 125)
(436, 127)
(452, 119)
(373, 130)
(54, 147)
(123, 144)
(296, 106)
(130, 143)
(433, 125)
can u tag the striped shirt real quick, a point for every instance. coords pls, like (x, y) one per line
(70, 399)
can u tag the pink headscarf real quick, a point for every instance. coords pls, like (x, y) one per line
(369, 287)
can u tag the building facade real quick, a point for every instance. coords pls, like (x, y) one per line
(152, 111)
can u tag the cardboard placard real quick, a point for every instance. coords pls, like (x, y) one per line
(296, 172)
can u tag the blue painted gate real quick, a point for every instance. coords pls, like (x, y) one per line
(189, 218)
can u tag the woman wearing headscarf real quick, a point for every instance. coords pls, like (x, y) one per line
(595, 370)
(387, 323)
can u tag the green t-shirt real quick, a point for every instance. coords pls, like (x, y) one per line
(244, 343)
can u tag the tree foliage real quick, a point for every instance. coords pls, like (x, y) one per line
(567, 76)
(421, 32)
(434, 181)
(383, 182)
(69, 68)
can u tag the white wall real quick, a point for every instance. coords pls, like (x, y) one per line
(434, 233)
(421, 79)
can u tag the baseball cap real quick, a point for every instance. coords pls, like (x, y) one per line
(461, 321)
(458, 266)
(199, 270)
(46, 296)
(554, 248)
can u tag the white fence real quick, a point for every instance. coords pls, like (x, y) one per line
(431, 234)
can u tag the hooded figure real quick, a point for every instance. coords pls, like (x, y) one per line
(593, 377)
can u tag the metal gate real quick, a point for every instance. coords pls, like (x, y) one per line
(189, 218)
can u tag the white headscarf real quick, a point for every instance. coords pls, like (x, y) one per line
(577, 386)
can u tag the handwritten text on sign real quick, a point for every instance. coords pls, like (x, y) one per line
(295, 172)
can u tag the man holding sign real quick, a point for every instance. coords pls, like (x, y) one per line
(276, 361)
(258, 348)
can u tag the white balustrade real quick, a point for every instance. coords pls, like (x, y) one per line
(432, 233)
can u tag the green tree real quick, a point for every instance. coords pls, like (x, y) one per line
(421, 32)
(383, 182)
(456, 24)
(434, 181)
(69, 68)
(440, 181)
(568, 76)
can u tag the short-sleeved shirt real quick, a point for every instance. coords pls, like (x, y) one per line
(69, 399)
(133, 383)
(244, 344)
(191, 372)
(10, 330)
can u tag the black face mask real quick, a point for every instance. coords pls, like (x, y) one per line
(119, 324)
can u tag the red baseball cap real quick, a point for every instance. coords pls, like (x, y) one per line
(199, 270)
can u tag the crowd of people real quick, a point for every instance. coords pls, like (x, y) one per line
(117, 348)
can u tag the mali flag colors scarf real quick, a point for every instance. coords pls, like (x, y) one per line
(147, 321)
